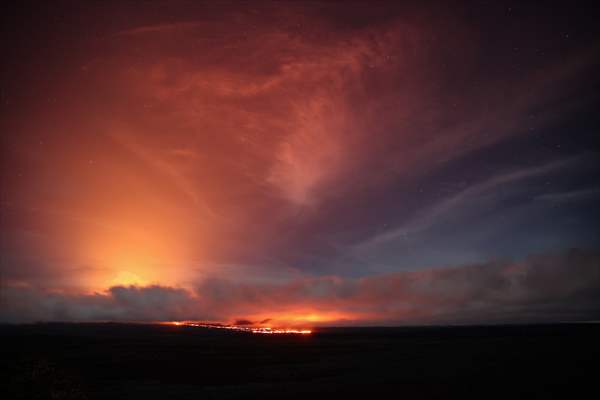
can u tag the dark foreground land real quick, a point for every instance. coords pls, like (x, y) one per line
(119, 361)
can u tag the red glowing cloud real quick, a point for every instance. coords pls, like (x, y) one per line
(208, 167)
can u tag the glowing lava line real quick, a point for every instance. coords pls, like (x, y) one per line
(261, 330)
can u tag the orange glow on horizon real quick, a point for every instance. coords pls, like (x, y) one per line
(135, 251)
(301, 317)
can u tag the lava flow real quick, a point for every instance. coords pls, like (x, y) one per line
(258, 330)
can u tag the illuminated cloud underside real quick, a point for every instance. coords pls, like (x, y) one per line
(301, 165)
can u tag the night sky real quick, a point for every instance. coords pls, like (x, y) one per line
(290, 163)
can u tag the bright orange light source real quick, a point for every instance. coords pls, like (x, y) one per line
(265, 331)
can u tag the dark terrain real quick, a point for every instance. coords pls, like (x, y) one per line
(77, 361)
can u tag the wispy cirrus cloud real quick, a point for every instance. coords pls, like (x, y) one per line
(465, 201)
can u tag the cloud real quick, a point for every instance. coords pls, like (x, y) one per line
(119, 303)
(243, 322)
(539, 288)
(160, 29)
(284, 137)
(313, 119)
(472, 197)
